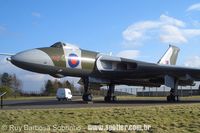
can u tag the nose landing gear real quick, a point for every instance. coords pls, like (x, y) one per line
(86, 95)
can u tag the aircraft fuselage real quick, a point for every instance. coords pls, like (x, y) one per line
(57, 61)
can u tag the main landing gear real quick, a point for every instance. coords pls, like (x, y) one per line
(86, 95)
(173, 96)
(110, 94)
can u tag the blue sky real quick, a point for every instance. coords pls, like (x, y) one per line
(139, 29)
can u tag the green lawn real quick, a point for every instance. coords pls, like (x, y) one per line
(155, 98)
(128, 97)
(28, 97)
(162, 118)
(132, 97)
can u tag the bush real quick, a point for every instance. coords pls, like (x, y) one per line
(6, 89)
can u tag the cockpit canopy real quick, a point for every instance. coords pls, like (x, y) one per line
(65, 45)
(58, 45)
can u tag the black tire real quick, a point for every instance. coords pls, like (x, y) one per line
(84, 97)
(169, 98)
(114, 98)
(107, 99)
(172, 98)
(177, 99)
(87, 97)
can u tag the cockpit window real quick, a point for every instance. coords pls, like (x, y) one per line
(58, 45)
(64, 45)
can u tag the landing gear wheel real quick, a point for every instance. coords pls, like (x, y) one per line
(110, 94)
(107, 99)
(110, 98)
(87, 97)
(114, 98)
(177, 98)
(172, 98)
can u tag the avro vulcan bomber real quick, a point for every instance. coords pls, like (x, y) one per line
(61, 60)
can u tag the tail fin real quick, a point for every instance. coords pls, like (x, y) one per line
(170, 56)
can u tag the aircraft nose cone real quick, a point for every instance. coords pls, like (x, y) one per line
(34, 56)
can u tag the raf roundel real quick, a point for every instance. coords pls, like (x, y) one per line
(73, 60)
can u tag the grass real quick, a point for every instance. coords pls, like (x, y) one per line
(132, 97)
(128, 97)
(162, 118)
(28, 97)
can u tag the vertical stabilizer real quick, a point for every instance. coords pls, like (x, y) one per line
(170, 56)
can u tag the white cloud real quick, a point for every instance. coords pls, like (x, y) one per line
(131, 54)
(193, 62)
(191, 32)
(194, 7)
(137, 30)
(36, 14)
(145, 25)
(166, 28)
(164, 19)
(196, 23)
(30, 76)
(132, 35)
(172, 34)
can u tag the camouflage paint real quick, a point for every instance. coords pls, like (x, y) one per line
(57, 56)
(88, 60)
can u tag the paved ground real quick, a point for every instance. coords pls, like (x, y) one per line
(45, 103)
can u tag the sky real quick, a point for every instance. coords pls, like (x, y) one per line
(136, 29)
